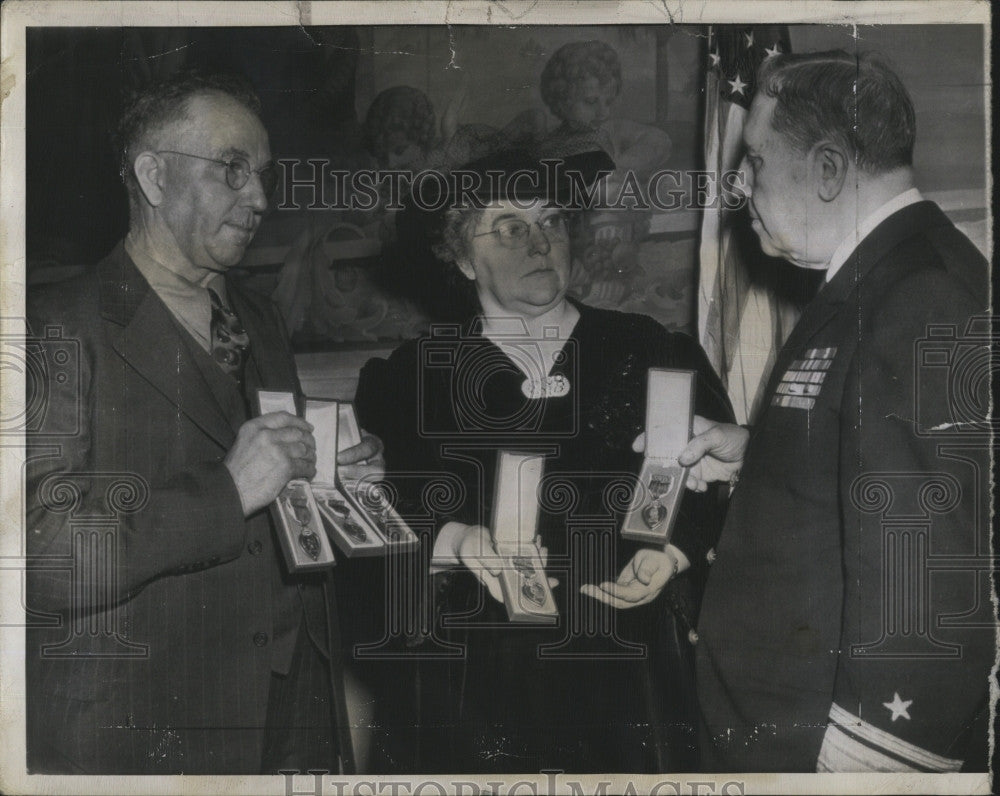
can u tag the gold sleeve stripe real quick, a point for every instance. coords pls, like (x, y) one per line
(852, 744)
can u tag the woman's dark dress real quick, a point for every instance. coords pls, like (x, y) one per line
(604, 690)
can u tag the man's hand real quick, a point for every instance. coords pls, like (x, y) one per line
(715, 453)
(362, 461)
(270, 451)
(640, 582)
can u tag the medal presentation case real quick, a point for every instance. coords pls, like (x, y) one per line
(303, 541)
(526, 591)
(355, 516)
(359, 514)
(660, 487)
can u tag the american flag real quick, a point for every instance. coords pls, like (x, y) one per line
(741, 322)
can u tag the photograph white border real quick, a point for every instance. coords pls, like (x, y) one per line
(17, 16)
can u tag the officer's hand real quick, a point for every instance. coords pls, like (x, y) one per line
(715, 453)
(270, 451)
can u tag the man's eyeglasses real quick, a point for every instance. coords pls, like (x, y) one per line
(238, 171)
(514, 233)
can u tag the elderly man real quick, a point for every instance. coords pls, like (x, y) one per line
(827, 640)
(167, 636)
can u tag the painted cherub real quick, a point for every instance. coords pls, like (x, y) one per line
(580, 85)
(402, 132)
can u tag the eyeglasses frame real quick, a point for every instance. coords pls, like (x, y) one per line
(228, 165)
(561, 214)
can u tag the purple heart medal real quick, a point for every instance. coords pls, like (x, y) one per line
(298, 507)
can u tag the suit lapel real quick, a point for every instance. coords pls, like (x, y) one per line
(146, 336)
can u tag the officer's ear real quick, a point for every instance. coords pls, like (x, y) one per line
(150, 174)
(830, 163)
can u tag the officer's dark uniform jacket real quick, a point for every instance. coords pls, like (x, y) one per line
(847, 623)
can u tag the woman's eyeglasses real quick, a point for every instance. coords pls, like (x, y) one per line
(514, 233)
(238, 171)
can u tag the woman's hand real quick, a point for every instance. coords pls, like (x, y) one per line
(363, 461)
(642, 579)
(473, 546)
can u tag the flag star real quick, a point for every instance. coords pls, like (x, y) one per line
(737, 85)
(714, 58)
(773, 51)
(749, 37)
(898, 706)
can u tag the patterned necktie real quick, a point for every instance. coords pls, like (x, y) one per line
(229, 339)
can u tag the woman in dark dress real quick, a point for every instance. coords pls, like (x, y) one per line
(531, 370)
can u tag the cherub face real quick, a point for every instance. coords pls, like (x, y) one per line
(588, 105)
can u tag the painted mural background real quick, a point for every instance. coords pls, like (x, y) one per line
(448, 94)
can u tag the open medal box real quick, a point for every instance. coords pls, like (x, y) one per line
(357, 516)
(303, 540)
(658, 493)
(526, 590)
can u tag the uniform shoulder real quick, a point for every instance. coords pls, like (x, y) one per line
(958, 258)
(936, 270)
(930, 254)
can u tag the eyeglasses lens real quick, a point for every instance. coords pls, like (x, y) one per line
(238, 173)
(514, 234)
